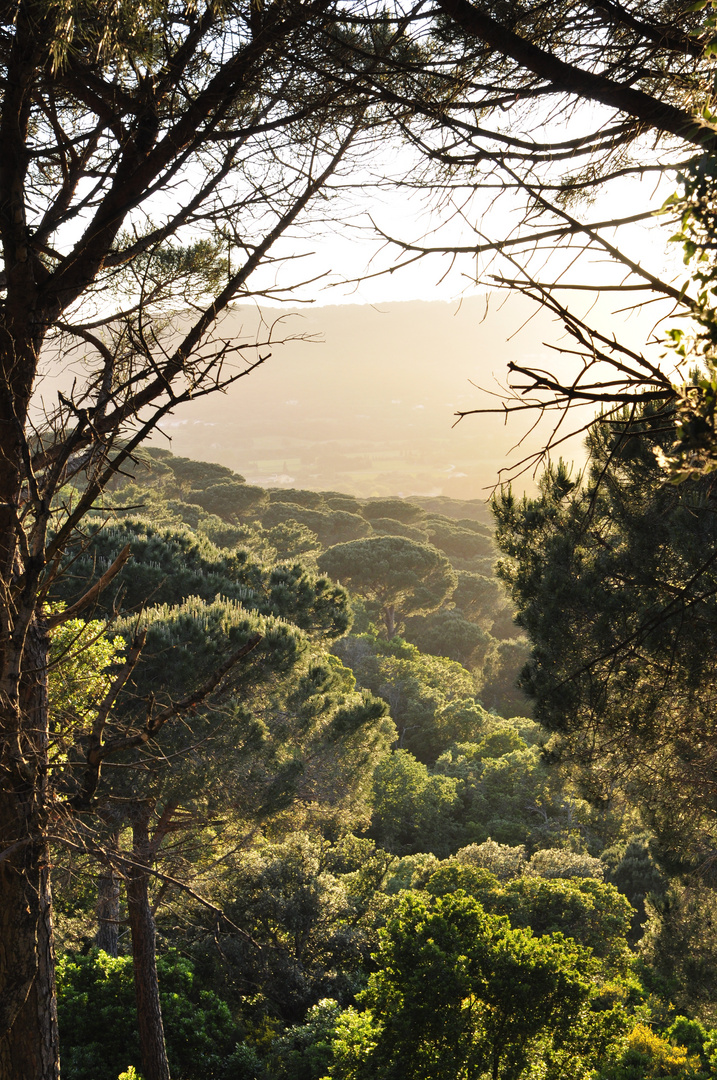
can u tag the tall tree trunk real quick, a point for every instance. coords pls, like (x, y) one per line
(146, 986)
(108, 906)
(29, 1045)
(390, 615)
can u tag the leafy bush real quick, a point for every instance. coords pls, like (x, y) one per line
(558, 863)
(304, 1052)
(459, 993)
(649, 1056)
(98, 1029)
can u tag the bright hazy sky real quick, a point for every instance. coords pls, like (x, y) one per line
(350, 249)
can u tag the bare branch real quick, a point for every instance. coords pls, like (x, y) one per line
(59, 617)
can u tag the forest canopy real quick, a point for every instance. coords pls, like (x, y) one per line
(326, 811)
(158, 163)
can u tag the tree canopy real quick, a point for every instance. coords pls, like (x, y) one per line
(402, 577)
(612, 577)
(459, 993)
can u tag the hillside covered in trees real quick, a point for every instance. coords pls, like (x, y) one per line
(353, 852)
(269, 788)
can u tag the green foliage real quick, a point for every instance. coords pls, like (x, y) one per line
(459, 993)
(461, 541)
(478, 597)
(449, 633)
(498, 683)
(679, 948)
(292, 750)
(354, 1044)
(632, 868)
(159, 571)
(410, 872)
(401, 576)
(82, 657)
(229, 500)
(291, 540)
(431, 698)
(305, 1051)
(454, 876)
(497, 787)
(688, 1033)
(412, 810)
(559, 863)
(331, 526)
(649, 1056)
(603, 606)
(394, 509)
(287, 727)
(98, 1028)
(460, 720)
(310, 500)
(590, 912)
(498, 792)
(693, 452)
(336, 501)
(315, 604)
(195, 474)
(510, 794)
(309, 908)
(389, 527)
(501, 860)
(167, 566)
(187, 642)
(587, 910)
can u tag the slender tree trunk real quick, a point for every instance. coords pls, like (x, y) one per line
(390, 621)
(108, 906)
(29, 1045)
(146, 986)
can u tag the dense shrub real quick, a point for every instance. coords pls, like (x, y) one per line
(98, 1026)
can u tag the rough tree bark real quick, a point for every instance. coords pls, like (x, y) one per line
(28, 1021)
(29, 1046)
(141, 920)
(108, 906)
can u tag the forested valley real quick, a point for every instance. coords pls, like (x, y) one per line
(297, 785)
(354, 852)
